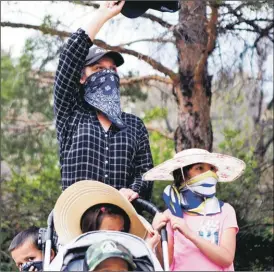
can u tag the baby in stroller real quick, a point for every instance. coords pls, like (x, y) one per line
(90, 212)
(108, 255)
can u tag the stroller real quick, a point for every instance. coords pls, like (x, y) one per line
(71, 256)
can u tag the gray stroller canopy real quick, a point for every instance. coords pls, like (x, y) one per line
(71, 256)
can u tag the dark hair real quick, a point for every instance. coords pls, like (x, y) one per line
(28, 234)
(177, 174)
(92, 218)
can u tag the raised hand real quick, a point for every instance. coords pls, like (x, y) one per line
(111, 8)
(106, 11)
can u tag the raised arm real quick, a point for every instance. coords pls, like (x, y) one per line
(71, 62)
(67, 77)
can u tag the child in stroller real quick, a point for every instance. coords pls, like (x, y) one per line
(108, 255)
(90, 211)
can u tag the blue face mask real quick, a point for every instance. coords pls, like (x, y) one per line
(102, 92)
(203, 185)
(196, 196)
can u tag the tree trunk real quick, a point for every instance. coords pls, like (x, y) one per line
(195, 40)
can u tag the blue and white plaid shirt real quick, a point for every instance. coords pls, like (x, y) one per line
(116, 157)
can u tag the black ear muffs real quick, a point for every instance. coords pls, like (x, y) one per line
(41, 238)
(42, 234)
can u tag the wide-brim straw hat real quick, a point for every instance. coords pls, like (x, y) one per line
(229, 168)
(80, 196)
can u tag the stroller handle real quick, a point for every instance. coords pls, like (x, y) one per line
(152, 209)
(147, 206)
(48, 244)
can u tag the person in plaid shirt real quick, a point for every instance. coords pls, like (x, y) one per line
(97, 141)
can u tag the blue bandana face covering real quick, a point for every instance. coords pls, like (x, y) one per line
(196, 196)
(102, 92)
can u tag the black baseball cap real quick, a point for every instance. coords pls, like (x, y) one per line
(134, 9)
(95, 53)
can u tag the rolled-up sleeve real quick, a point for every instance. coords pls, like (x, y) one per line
(68, 75)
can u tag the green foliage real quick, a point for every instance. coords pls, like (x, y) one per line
(29, 146)
(162, 149)
(26, 114)
(133, 91)
(255, 239)
(14, 81)
(156, 113)
(26, 202)
(32, 153)
(48, 22)
(254, 252)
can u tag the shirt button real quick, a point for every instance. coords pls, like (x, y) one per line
(106, 176)
(106, 148)
(106, 135)
(106, 161)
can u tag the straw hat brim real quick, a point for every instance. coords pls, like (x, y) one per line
(229, 168)
(80, 196)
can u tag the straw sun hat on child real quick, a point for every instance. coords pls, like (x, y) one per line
(229, 168)
(80, 196)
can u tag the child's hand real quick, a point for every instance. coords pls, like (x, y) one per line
(180, 224)
(159, 221)
(32, 268)
(153, 238)
(111, 8)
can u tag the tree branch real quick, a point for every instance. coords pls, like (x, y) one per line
(48, 78)
(212, 35)
(30, 122)
(144, 80)
(159, 40)
(158, 20)
(270, 104)
(238, 14)
(155, 64)
(33, 124)
(27, 125)
(162, 133)
(264, 33)
(43, 29)
(267, 144)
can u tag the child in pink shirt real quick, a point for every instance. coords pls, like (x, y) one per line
(201, 229)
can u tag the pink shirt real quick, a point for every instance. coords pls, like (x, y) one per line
(187, 257)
